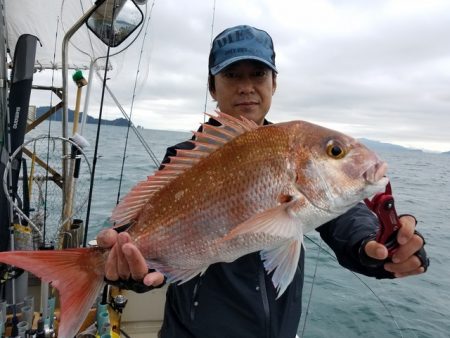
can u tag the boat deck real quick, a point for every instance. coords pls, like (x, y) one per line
(142, 316)
(147, 329)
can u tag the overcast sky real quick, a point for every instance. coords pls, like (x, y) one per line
(374, 69)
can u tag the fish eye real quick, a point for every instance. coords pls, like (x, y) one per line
(335, 150)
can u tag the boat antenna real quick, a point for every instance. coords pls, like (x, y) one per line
(132, 105)
(48, 133)
(210, 45)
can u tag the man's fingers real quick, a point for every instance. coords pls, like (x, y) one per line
(123, 268)
(107, 238)
(111, 265)
(136, 262)
(153, 279)
(411, 266)
(376, 250)
(417, 271)
(125, 259)
(406, 231)
(407, 250)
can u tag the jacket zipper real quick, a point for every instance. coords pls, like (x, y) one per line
(195, 298)
(265, 298)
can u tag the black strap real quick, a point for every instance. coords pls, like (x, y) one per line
(422, 254)
(134, 285)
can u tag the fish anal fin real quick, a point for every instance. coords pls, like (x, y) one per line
(179, 275)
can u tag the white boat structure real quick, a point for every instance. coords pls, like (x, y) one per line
(44, 199)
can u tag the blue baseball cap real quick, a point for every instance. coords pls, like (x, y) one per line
(241, 43)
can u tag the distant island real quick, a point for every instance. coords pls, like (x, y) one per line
(394, 147)
(385, 146)
(57, 116)
(121, 122)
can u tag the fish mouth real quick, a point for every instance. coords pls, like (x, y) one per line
(375, 172)
(376, 179)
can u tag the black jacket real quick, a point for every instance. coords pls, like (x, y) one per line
(234, 300)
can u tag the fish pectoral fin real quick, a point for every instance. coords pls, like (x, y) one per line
(284, 260)
(277, 222)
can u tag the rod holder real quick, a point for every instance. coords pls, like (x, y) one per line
(73, 238)
(27, 315)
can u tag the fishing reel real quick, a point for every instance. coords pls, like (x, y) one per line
(119, 302)
(8, 272)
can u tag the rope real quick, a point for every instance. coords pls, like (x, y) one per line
(312, 286)
(362, 282)
(132, 103)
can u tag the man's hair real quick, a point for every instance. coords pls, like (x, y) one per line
(212, 83)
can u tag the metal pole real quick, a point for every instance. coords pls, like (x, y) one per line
(65, 120)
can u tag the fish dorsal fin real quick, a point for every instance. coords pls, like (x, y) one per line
(131, 205)
(206, 141)
(212, 137)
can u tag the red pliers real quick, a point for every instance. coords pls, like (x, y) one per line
(382, 204)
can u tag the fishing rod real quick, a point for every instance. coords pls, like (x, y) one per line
(210, 44)
(11, 218)
(94, 163)
(130, 124)
(48, 134)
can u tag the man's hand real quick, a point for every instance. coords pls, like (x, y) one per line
(125, 260)
(405, 262)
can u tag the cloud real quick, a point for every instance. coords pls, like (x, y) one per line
(377, 69)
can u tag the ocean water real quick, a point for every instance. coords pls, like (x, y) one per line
(337, 303)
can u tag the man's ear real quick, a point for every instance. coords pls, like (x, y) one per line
(274, 84)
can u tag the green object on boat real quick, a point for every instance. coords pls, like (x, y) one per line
(77, 76)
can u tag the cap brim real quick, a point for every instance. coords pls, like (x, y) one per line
(221, 66)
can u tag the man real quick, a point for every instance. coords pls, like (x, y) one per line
(238, 299)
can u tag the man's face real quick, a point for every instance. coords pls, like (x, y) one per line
(245, 88)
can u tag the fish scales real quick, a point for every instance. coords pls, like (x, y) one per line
(235, 182)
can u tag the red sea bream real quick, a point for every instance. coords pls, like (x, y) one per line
(243, 188)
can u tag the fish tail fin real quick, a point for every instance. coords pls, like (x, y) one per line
(76, 273)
